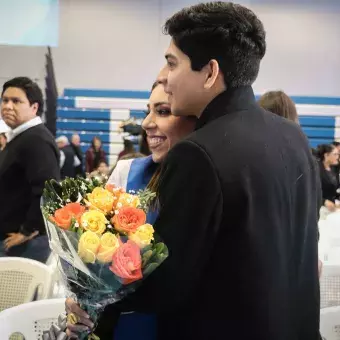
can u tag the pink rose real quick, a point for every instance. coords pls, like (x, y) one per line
(127, 262)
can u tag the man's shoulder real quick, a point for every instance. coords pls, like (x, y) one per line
(38, 133)
(249, 128)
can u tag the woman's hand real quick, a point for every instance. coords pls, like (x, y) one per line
(84, 324)
(330, 205)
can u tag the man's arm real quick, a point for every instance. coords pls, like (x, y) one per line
(40, 161)
(188, 223)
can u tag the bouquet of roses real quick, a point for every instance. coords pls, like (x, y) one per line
(101, 237)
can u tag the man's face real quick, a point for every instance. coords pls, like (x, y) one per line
(15, 107)
(184, 86)
(75, 140)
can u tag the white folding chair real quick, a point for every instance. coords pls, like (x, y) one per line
(23, 280)
(30, 319)
(330, 323)
(330, 285)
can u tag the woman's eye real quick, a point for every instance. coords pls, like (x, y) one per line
(164, 112)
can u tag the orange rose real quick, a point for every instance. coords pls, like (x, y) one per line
(63, 216)
(128, 219)
(127, 263)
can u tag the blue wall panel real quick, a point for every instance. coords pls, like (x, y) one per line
(86, 126)
(83, 114)
(106, 93)
(317, 121)
(86, 137)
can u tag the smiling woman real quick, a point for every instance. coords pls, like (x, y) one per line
(163, 131)
(162, 128)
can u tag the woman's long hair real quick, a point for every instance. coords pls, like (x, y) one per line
(323, 149)
(153, 185)
(279, 103)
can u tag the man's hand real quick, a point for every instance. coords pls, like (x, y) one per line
(14, 239)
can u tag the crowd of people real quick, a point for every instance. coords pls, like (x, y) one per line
(238, 174)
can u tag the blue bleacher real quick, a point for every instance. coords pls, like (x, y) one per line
(86, 137)
(83, 125)
(317, 115)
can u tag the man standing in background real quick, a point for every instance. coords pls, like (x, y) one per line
(68, 159)
(75, 144)
(30, 159)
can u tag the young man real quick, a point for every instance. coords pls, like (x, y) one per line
(29, 159)
(239, 197)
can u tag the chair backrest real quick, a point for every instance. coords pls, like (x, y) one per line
(330, 323)
(31, 319)
(330, 285)
(23, 280)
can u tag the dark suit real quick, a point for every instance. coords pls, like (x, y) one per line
(79, 170)
(239, 211)
(329, 183)
(68, 169)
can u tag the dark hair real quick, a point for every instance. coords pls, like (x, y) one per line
(279, 103)
(94, 139)
(31, 89)
(229, 33)
(128, 145)
(322, 149)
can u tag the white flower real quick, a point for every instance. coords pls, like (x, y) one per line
(68, 200)
(116, 212)
(109, 226)
(76, 225)
(119, 205)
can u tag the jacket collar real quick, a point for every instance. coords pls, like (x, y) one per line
(232, 100)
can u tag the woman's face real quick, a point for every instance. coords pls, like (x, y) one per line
(162, 128)
(97, 143)
(332, 158)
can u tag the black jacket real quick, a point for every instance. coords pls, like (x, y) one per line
(26, 163)
(79, 170)
(239, 212)
(68, 169)
(329, 182)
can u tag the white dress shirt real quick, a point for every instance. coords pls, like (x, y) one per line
(23, 127)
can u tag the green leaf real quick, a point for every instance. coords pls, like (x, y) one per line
(149, 268)
(80, 231)
(159, 247)
(146, 257)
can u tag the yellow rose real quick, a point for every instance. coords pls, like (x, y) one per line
(109, 243)
(101, 199)
(127, 200)
(143, 235)
(94, 221)
(88, 246)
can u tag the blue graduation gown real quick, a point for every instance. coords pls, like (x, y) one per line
(137, 326)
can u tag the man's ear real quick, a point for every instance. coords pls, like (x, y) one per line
(35, 107)
(212, 70)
